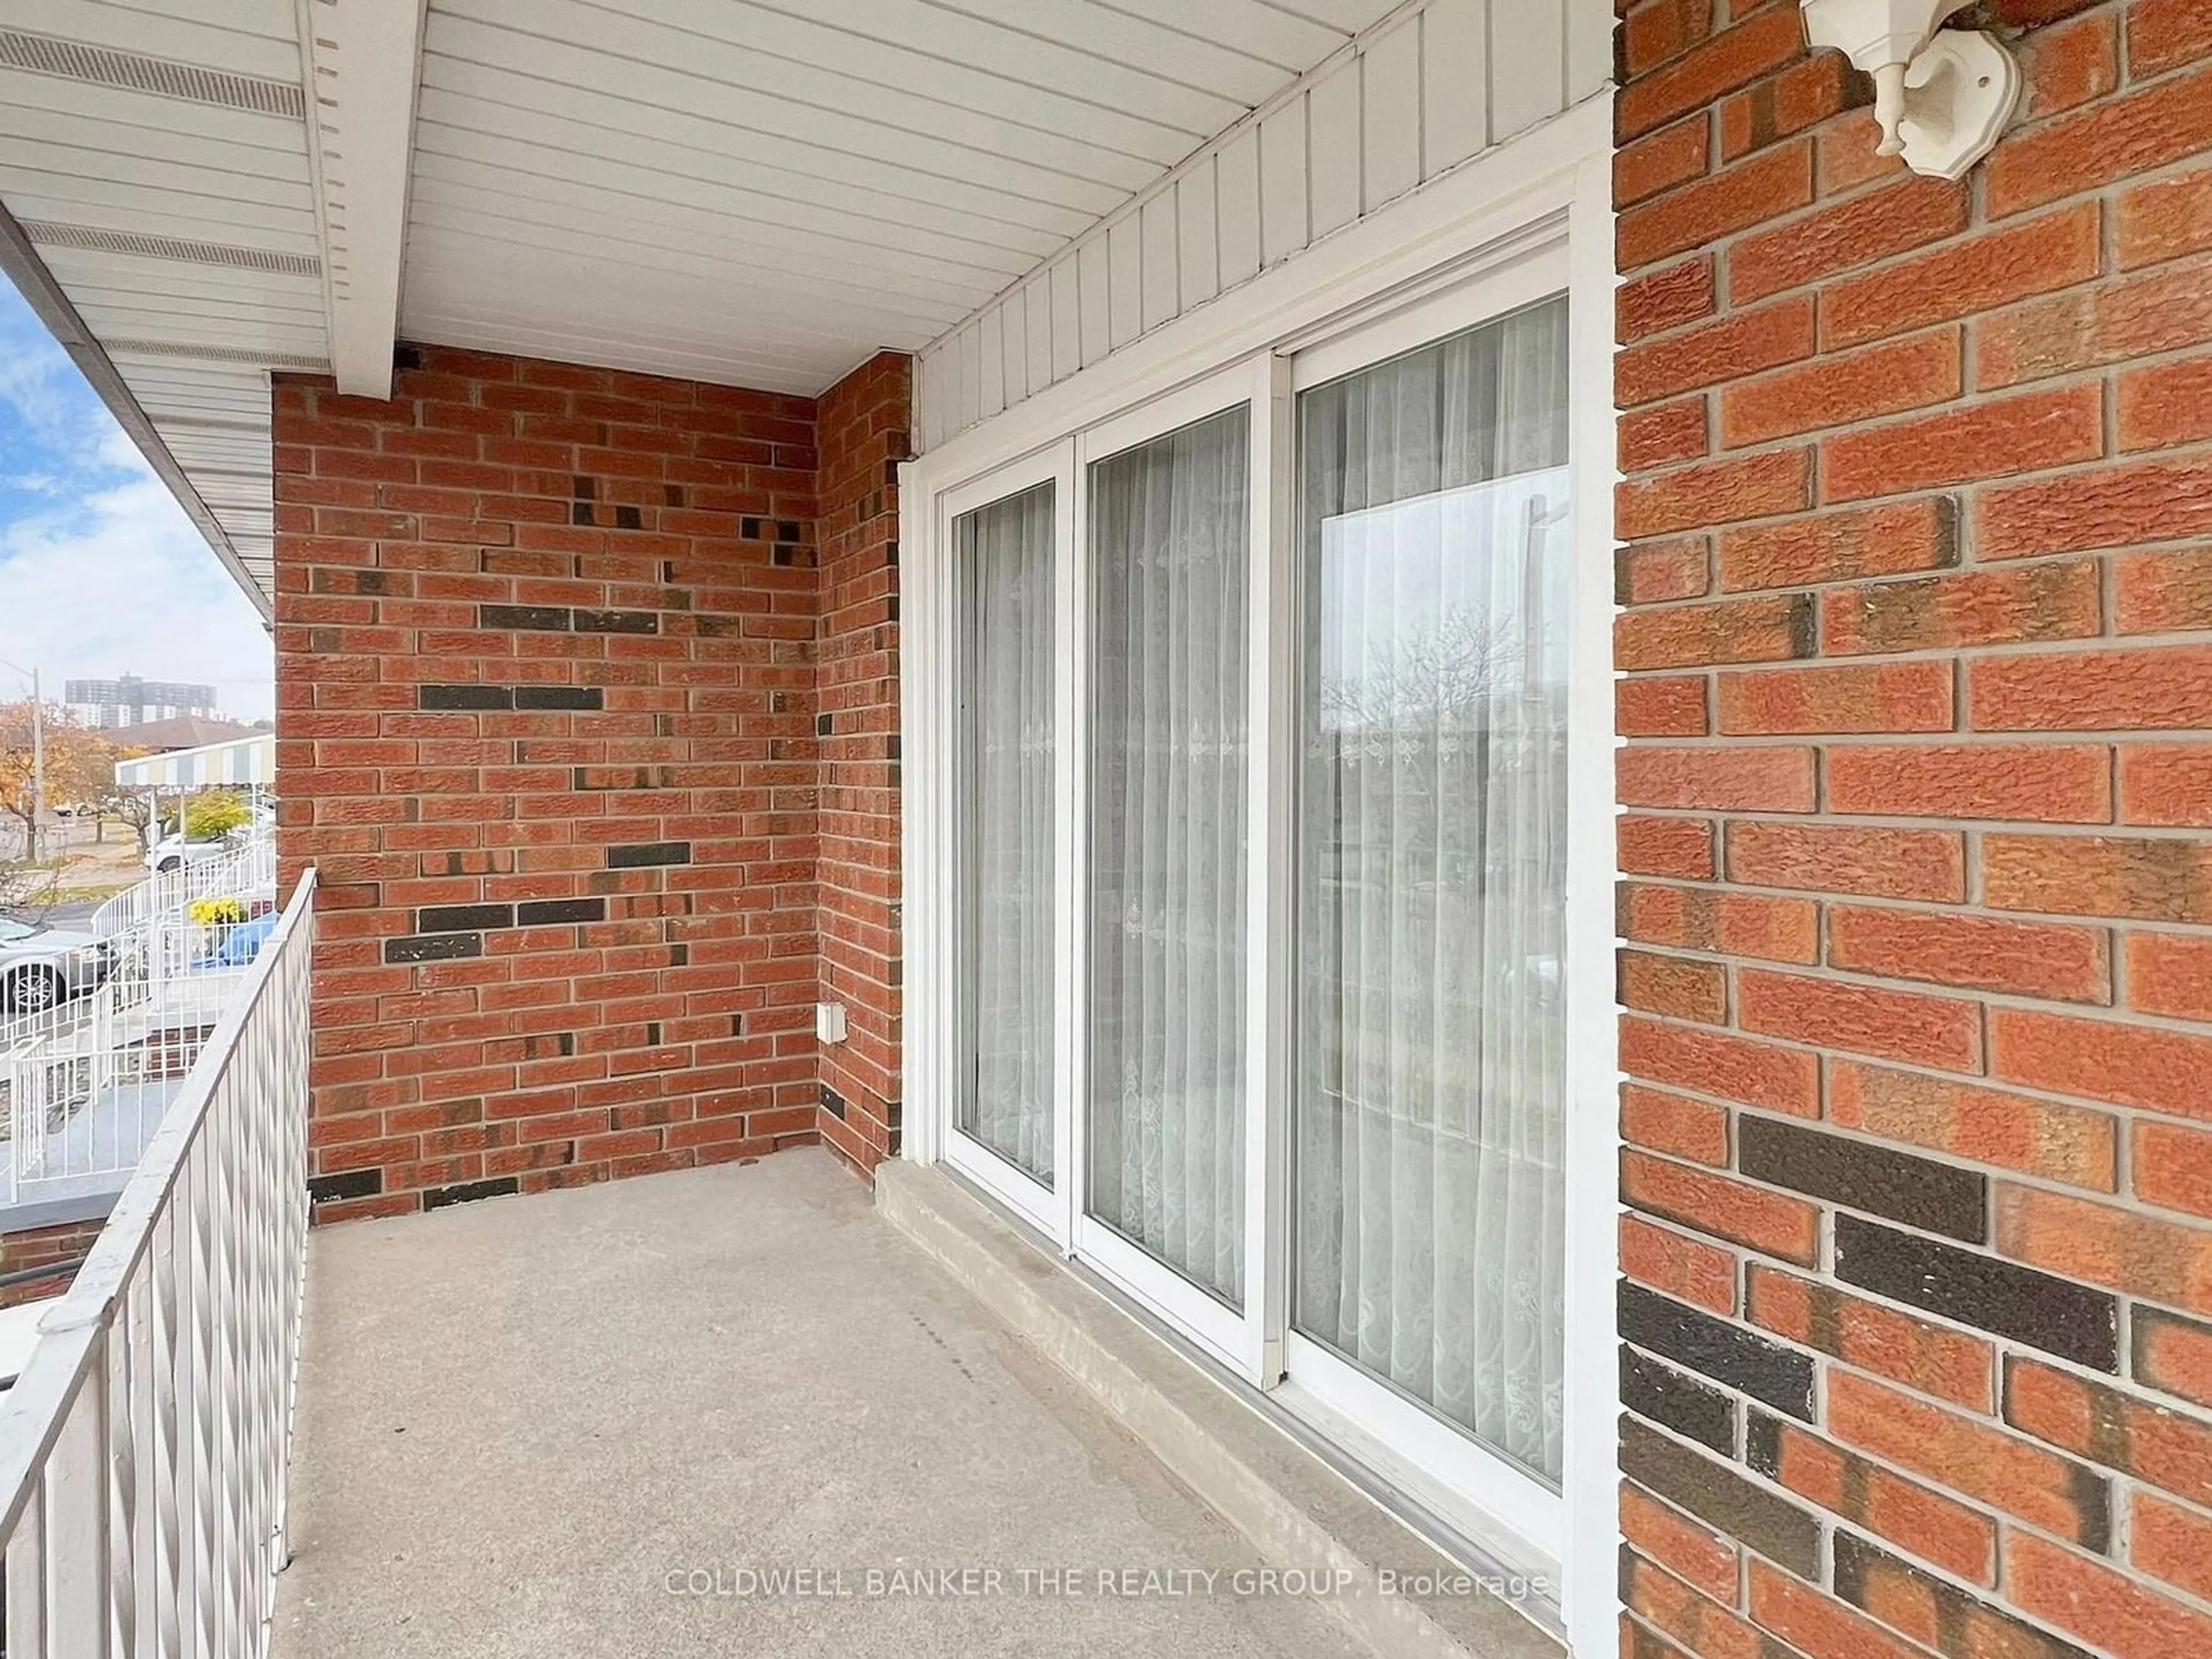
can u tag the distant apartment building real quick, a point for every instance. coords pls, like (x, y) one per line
(129, 701)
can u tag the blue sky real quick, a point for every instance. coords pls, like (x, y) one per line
(100, 573)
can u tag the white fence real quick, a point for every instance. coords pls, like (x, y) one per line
(84, 1081)
(143, 1448)
(250, 867)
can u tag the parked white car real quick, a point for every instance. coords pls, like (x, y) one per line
(42, 966)
(175, 852)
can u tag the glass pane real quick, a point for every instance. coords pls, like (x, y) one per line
(1005, 556)
(1433, 807)
(1170, 541)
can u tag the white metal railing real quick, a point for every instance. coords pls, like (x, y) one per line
(249, 867)
(86, 1099)
(144, 1445)
(83, 1079)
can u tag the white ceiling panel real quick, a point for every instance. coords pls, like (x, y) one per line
(748, 191)
(680, 143)
(779, 187)
(240, 37)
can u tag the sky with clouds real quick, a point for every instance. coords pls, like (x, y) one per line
(102, 573)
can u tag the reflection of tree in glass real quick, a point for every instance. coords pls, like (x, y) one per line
(1424, 679)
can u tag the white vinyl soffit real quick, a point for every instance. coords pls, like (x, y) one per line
(767, 191)
(758, 192)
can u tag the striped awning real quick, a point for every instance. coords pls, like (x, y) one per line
(243, 760)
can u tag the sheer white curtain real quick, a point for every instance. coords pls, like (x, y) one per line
(1006, 555)
(1170, 547)
(1429, 1191)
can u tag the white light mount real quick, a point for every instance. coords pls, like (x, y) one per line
(1940, 97)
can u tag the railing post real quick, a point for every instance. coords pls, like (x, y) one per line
(77, 1521)
(26, 1578)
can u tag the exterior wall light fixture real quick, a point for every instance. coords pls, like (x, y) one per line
(1941, 96)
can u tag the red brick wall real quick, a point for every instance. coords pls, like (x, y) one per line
(864, 420)
(546, 663)
(1917, 1317)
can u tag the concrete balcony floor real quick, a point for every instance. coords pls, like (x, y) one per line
(517, 1418)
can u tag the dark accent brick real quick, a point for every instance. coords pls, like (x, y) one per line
(433, 947)
(579, 513)
(463, 918)
(1683, 1404)
(629, 518)
(532, 913)
(2055, 1314)
(1775, 1527)
(833, 1102)
(559, 696)
(617, 621)
(749, 530)
(822, 727)
(679, 956)
(1917, 1191)
(1716, 1348)
(464, 696)
(349, 1183)
(1762, 1442)
(788, 529)
(640, 854)
(1954, 1623)
(585, 488)
(652, 1034)
(524, 618)
(467, 1191)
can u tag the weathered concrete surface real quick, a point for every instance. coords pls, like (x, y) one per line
(518, 1418)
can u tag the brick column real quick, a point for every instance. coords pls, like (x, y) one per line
(1917, 1323)
(864, 422)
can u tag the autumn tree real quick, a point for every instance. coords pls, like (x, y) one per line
(80, 764)
(214, 814)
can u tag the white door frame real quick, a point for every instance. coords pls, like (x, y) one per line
(1244, 1338)
(1515, 1515)
(1043, 1205)
(1551, 185)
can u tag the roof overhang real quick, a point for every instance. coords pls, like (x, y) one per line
(758, 192)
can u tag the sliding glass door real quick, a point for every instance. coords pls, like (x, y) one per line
(1429, 1093)
(1006, 550)
(1175, 590)
(1009, 609)
(1171, 547)
(1258, 791)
